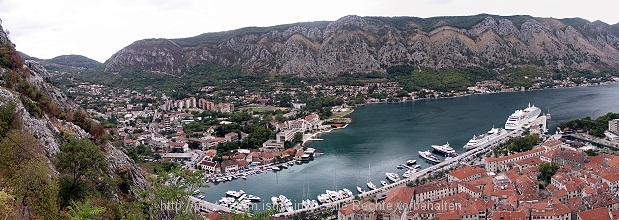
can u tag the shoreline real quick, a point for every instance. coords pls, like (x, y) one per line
(312, 136)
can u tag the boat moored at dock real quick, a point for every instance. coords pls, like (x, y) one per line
(393, 177)
(429, 156)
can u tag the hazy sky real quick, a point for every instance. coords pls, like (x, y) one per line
(99, 28)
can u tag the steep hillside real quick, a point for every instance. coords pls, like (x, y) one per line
(52, 154)
(365, 44)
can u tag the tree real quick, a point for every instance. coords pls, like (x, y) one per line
(173, 188)
(81, 162)
(547, 170)
(298, 137)
(83, 210)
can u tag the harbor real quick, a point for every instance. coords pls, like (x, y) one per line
(402, 130)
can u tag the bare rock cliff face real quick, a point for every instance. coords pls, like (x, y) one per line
(364, 44)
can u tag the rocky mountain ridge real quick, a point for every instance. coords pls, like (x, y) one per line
(365, 44)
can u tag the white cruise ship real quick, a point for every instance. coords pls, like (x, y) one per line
(522, 117)
(492, 137)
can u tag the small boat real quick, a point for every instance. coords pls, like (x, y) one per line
(417, 166)
(360, 189)
(400, 166)
(284, 166)
(384, 183)
(201, 197)
(291, 163)
(244, 177)
(197, 191)
(371, 186)
(275, 168)
(393, 177)
(411, 162)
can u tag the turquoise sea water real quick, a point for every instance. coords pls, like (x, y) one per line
(382, 136)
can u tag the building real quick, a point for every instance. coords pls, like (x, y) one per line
(210, 166)
(358, 211)
(565, 156)
(466, 174)
(505, 163)
(286, 135)
(435, 190)
(272, 146)
(613, 126)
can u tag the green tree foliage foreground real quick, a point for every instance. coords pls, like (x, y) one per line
(81, 163)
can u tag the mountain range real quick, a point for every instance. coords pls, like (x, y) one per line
(365, 44)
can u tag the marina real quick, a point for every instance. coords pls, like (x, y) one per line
(385, 142)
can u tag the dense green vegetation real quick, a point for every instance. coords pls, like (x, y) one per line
(547, 170)
(413, 78)
(593, 127)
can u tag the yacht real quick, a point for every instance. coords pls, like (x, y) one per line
(393, 177)
(444, 149)
(409, 173)
(347, 191)
(521, 118)
(429, 156)
(492, 137)
(384, 183)
(323, 198)
(235, 194)
(371, 186)
(411, 162)
(360, 189)
(253, 198)
(286, 204)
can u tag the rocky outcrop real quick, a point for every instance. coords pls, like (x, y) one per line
(364, 44)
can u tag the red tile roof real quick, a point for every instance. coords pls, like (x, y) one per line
(466, 171)
(595, 214)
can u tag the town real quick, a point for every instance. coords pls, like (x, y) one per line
(233, 136)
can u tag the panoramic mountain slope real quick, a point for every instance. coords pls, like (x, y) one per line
(365, 44)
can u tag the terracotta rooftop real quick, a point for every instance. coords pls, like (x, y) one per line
(595, 214)
(402, 195)
(466, 171)
(613, 162)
